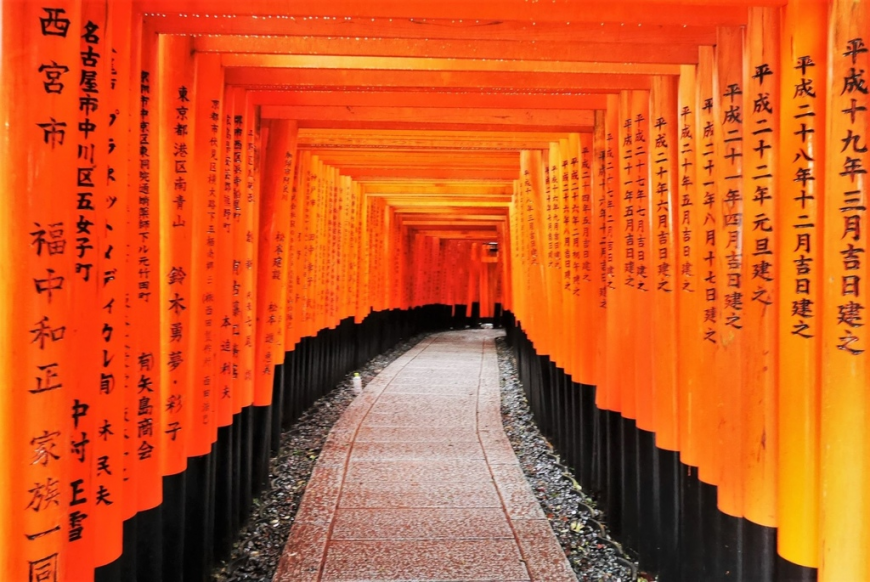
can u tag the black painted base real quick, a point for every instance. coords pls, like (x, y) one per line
(205, 506)
(663, 515)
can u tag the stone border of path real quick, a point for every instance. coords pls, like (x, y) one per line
(305, 552)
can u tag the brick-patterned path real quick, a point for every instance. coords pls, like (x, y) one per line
(417, 481)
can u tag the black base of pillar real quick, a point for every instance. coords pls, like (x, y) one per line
(653, 503)
(149, 546)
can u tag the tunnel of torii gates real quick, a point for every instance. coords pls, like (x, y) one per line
(216, 209)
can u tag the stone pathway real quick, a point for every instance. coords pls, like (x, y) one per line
(417, 481)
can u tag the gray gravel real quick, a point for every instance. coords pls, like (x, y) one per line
(572, 513)
(256, 553)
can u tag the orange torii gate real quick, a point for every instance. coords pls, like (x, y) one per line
(216, 209)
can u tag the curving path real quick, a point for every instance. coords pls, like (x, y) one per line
(417, 481)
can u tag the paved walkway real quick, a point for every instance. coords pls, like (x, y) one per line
(417, 481)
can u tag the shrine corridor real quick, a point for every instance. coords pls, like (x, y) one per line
(216, 210)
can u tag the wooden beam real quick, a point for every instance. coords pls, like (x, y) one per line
(471, 186)
(451, 223)
(447, 210)
(429, 139)
(417, 158)
(423, 202)
(414, 125)
(576, 51)
(445, 173)
(467, 227)
(459, 234)
(403, 125)
(433, 116)
(648, 12)
(445, 198)
(482, 81)
(497, 218)
(429, 200)
(432, 189)
(377, 182)
(423, 167)
(434, 29)
(475, 65)
(441, 99)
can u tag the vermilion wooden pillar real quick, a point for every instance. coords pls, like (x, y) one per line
(518, 246)
(664, 264)
(688, 212)
(205, 314)
(585, 254)
(625, 274)
(298, 234)
(93, 361)
(707, 203)
(760, 319)
(601, 252)
(240, 218)
(279, 165)
(224, 249)
(144, 232)
(251, 214)
(801, 182)
(39, 113)
(361, 257)
(309, 266)
(109, 452)
(608, 395)
(645, 250)
(730, 117)
(844, 463)
(132, 80)
(568, 316)
(553, 196)
(532, 185)
(177, 113)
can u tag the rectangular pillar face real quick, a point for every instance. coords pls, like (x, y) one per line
(627, 277)
(609, 397)
(601, 246)
(708, 204)
(586, 255)
(144, 237)
(664, 210)
(176, 119)
(803, 106)
(844, 532)
(273, 232)
(760, 225)
(687, 216)
(205, 320)
(38, 278)
(110, 451)
(729, 116)
(90, 391)
(224, 266)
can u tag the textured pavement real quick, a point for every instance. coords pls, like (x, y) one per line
(417, 481)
